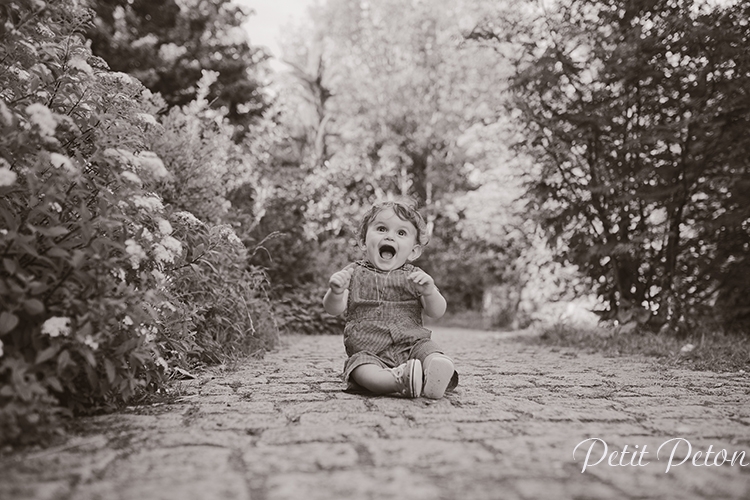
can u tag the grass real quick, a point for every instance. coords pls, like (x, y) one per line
(713, 352)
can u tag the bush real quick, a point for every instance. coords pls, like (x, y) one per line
(103, 288)
(226, 302)
(300, 310)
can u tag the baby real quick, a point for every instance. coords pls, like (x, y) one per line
(384, 297)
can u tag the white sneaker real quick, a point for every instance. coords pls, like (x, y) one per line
(409, 378)
(438, 371)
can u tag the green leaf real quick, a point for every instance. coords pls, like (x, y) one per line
(111, 371)
(64, 360)
(8, 321)
(90, 359)
(10, 266)
(54, 382)
(52, 232)
(47, 354)
(34, 307)
(57, 252)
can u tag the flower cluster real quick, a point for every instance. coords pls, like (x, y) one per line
(56, 326)
(7, 176)
(135, 251)
(41, 116)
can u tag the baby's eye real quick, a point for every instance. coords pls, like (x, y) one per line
(402, 233)
(380, 229)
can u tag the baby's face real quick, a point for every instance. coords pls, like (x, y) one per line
(391, 241)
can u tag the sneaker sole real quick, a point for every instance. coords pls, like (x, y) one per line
(416, 379)
(437, 374)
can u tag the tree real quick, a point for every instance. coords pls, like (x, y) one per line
(388, 99)
(166, 44)
(636, 114)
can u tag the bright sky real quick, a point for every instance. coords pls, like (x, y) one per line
(270, 16)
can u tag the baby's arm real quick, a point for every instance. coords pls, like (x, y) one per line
(432, 300)
(335, 299)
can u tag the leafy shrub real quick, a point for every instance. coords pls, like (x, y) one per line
(226, 302)
(69, 209)
(300, 310)
(103, 288)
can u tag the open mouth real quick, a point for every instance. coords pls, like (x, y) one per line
(387, 252)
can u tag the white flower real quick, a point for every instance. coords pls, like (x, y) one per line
(160, 277)
(234, 239)
(61, 161)
(56, 326)
(40, 115)
(148, 332)
(7, 176)
(146, 235)
(147, 118)
(56, 207)
(161, 254)
(20, 73)
(120, 77)
(131, 177)
(151, 203)
(187, 218)
(136, 253)
(89, 341)
(160, 362)
(152, 163)
(228, 233)
(80, 64)
(127, 321)
(165, 227)
(172, 245)
(5, 114)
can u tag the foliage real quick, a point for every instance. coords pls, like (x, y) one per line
(300, 310)
(206, 164)
(386, 99)
(167, 44)
(637, 116)
(225, 300)
(400, 98)
(103, 288)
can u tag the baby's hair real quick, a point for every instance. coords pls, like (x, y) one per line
(404, 210)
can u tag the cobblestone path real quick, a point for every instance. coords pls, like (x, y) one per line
(281, 428)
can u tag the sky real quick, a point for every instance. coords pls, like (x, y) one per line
(270, 16)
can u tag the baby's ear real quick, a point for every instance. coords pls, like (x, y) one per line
(415, 253)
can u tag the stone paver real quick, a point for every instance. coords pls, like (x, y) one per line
(281, 428)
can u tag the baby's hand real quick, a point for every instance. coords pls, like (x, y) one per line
(340, 281)
(425, 283)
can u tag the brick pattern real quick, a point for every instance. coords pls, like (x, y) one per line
(281, 428)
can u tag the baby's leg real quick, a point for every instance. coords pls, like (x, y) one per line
(439, 372)
(405, 379)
